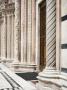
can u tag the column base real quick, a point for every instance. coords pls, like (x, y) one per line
(18, 67)
(52, 80)
(49, 72)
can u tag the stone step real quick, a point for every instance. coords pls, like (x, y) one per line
(11, 81)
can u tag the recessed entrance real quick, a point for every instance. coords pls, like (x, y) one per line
(42, 34)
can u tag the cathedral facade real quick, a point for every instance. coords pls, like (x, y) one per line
(33, 38)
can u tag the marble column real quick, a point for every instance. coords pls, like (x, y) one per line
(33, 30)
(23, 31)
(29, 33)
(12, 37)
(50, 37)
(17, 38)
(8, 37)
(49, 77)
(51, 34)
(3, 37)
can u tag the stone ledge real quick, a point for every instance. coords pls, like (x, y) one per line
(24, 67)
(60, 82)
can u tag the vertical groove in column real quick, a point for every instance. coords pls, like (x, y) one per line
(22, 31)
(17, 30)
(8, 36)
(25, 31)
(12, 37)
(33, 30)
(3, 37)
(51, 33)
(29, 32)
(19, 47)
(0, 36)
(26, 26)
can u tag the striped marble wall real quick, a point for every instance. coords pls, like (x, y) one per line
(63, 33)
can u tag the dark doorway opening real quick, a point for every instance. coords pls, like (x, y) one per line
(42, 34)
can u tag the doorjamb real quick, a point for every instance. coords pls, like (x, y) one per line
(37, 59)
(58, 34)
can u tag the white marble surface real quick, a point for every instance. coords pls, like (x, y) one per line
(24, 85)
(4, 83)
(64, 58)
(63, 32)
(63, 7)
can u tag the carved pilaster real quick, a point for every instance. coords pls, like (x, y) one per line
(3, 36)
(8, 36)
(29, 33)
(23, 30)
(12, 37)
(33, 30)
(17, 34)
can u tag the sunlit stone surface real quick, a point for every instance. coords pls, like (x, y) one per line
(9, 80)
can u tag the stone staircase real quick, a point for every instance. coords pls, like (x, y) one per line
(10, 81)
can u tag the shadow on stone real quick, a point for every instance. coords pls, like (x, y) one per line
(28, 75)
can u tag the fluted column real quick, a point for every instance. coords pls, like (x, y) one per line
(51, 33)
(3, 37)
(33, 30)
(8, 36)
(29, 33)
(17, 31)
(12, 37)
(23, 31)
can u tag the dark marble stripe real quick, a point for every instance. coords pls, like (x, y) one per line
(64, 70)
(28, 75)
(63, 46)
(64, 18)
